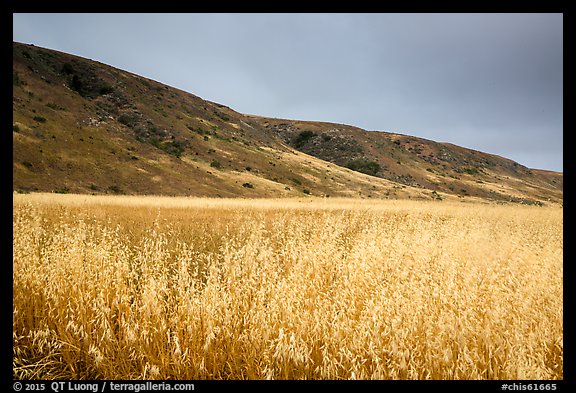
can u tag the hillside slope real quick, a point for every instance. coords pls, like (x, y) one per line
(84, 127)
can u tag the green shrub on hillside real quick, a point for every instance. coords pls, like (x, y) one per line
(215, 164)
(303, 138)
(115, 189)
(365, 166)
(67, 69)
(128, 119)
(176, 148)
(56, 107)
(468, 170)
(62, 190)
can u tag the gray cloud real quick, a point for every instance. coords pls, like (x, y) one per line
(491, 82)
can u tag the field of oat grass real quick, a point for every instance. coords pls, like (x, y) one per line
(120, 287)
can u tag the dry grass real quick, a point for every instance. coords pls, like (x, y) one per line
(130, 288)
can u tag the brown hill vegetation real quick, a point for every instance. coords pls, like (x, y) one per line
(80, 126)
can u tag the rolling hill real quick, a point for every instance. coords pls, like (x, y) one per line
(81, 126)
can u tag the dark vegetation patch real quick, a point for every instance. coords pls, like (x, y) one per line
(222, 116)
(146, 131)
(115, 189)
(17, 80)
(365, 166)
(216, 164)
(469, 170)
(82, 78)
(302, 138)
(56, 107)
(62, 190)
(436, 196)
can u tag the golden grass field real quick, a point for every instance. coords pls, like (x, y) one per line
(159, 288)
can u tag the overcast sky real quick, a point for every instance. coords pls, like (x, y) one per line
(490, 82)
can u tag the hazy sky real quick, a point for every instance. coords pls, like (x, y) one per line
(490, 82)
